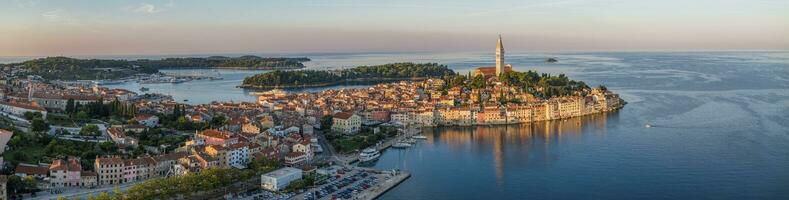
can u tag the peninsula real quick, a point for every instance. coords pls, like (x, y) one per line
(357, 75)
(65, 68)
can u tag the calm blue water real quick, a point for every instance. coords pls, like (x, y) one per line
(720, 130)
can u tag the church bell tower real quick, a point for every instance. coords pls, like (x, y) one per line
(499, 57)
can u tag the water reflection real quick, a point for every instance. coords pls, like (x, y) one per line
(522, 142)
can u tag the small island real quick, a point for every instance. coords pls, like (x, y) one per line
(65, 68)
(357, 75)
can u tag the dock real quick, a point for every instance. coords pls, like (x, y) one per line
(384, 186)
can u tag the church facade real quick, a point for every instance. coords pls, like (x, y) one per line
(500, 67)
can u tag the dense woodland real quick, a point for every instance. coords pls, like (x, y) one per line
(540, 85)
(321, 78)
(65, 68)
(246, 62)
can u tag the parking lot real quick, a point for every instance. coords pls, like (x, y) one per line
(347, 184)
(260, 194)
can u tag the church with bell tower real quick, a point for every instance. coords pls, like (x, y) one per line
(500, 67)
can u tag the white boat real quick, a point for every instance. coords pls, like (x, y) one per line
(409, 141)
(648, 126)
(401, 145)
(369, 154)
(421, 137)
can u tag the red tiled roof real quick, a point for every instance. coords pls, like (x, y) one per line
(141, 117)
(343, 115)
(23, 105)
(27, 169)
(58, 165)
(294, 154)
(215, 134)
(109, 161)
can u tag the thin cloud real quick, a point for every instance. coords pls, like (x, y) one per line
(60, 17)
(148, 8)
(26, 3)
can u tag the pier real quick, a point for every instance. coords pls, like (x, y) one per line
(383, 187)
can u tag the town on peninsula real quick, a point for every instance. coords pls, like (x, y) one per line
(64, 133)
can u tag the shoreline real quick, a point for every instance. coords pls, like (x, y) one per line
(358, 81)
(350, 158)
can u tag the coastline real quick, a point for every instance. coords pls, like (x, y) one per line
(235, 68)
(474, 124)
(350, 158)
(358, 81)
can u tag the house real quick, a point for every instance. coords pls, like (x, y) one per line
(89, 178)
(346, 122)
(147, 120)
(165, 162)
(303, 147)
(295, 158)
(139, 169)
(119, 137)
(110, 170)
(238, 155)
(36, 171)
(250, 128)
(18, 109)
(68, 173)
(215, 137)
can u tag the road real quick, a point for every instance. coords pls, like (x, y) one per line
(83, 193)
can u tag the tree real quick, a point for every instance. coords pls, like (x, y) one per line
(32, 115)
(70, 106)
(90, 130)
(478, 82)
(326, 122)
(218, 121)
(39, 125)
(82, 115)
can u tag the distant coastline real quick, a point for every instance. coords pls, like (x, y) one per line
(71, 69)
(353, 76)
(357, 81)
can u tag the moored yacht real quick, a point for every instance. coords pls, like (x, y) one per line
(369, 154)
(421, 137)
(401, 145)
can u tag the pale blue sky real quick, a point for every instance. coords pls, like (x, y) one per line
(39, 27)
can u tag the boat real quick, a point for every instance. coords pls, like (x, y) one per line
(369, 154)
(648, 126)
(401, 145)
(409, 141)
(421, 137)
(143, 89)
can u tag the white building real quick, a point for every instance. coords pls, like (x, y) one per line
(280, 178)
(346, 122)
(147, 120)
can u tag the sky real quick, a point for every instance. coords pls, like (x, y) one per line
(157, 27)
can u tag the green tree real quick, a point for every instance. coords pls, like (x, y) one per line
(90, 130)
(326, 122)
(39, 125)
(479, 82)
(70, 106)
(32, 115)
(218, 121)
(82, 115)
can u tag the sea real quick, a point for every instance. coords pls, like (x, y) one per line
(718, 128)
